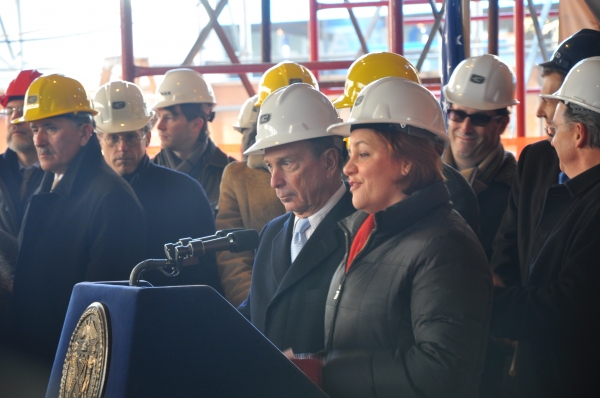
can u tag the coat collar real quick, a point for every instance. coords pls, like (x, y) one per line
(584, 181)
(404, 213)
(88, 158)
(318, 248)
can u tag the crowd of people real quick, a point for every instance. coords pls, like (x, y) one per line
(403, 249)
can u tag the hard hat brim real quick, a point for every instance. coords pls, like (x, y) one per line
(343, 129)
(343, 102)
(23, 119)
(568, 100)
(276, 140)
(450, 97)
(133, 126)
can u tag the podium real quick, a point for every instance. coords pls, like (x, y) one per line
(180, 341)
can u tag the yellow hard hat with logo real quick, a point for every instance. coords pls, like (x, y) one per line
(54, 95)
(371, 67)
(281, 75)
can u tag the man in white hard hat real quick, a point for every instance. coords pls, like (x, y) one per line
(247, 200)
(184, 106)
(538, 167)
(175, 204)
(299, 251)
(84, 223)
(478, 95)
(554, 315)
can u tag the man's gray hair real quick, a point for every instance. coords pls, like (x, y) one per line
(590, 119)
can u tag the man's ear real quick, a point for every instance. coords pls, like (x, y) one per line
(332, 160)
(503, 123)
(196, 125)
(581, 135)
(86, 131)
(148, 138)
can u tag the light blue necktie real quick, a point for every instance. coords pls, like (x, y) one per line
(299, 238)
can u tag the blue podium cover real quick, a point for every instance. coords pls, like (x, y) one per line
(180, 341)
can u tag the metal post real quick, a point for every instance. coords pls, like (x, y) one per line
(265, 30)
(395, 27)
(127, 60)
(313, 33)
(520, 65)
(493, 27)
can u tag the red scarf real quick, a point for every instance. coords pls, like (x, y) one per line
(360, 239)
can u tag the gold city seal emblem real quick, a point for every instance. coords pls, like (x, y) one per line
(84, 369)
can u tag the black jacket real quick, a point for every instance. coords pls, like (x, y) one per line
(493, 201)
(176, 207)
(91, 227)
(463, 198)
(555, 315)
(411, 317)
(537, 170)
(12, 208)
(287, 301)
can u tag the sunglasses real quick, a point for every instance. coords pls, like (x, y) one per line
(478, 119)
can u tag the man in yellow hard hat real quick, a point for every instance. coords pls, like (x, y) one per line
(84, 223)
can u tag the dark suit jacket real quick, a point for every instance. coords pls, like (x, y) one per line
(287, 301)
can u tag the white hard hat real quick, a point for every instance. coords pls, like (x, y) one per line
(248, 114)
(183, 86)
(485, 83)
(581, 86)
(293, 113)
(121, 108)
(395, 100)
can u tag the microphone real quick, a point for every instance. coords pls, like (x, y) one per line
(170, 248)
(235, 242)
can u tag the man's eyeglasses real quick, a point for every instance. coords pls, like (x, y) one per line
(9, 111)
(131, 139)
(478, 119)
(551, 130)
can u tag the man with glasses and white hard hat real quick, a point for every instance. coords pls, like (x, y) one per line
(175, 204)
(554, 315)
(300, 250)
(20, 172)
(184, 106)
(247, 200)
(478, 95)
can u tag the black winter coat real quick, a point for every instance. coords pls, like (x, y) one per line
(286, 301)
(555, 315)
(537, 170)
(411, 317)
(462, 196)
(12, 208)
(91, 227)
(176, 207)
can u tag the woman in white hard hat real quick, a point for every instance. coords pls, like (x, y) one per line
(408, 309)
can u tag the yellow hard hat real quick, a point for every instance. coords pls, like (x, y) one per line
(54, 95)
(281, 75)
(371, 67)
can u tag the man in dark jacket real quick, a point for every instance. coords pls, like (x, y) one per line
(185, 103)
(20, 172)
(554, 315)
(538, 167)
(84, 224)
(478, 96)
(290, 280)
(175, 204)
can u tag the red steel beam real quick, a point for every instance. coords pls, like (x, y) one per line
(127, 60)
(240, 68)
(313, 33)
(395, 25)
(520, 65)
